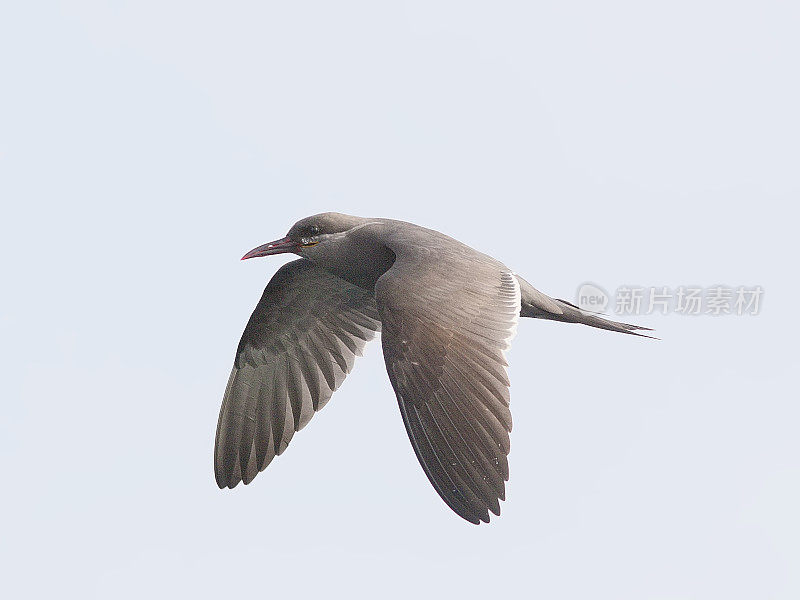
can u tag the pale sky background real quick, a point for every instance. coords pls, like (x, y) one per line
(145, 146)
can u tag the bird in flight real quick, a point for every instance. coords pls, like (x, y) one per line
(446, 313)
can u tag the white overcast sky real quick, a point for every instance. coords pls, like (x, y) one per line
(145, 146)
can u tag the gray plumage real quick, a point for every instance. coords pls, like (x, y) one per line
(446, 313)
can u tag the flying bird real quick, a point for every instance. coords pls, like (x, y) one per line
(446, 313)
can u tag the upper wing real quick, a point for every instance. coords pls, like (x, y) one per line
(297, 348)
(445, 326)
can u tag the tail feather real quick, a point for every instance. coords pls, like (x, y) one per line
(537, 305)
(573, 314)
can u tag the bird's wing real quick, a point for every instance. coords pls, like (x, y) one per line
(297, 348)
(446, 323)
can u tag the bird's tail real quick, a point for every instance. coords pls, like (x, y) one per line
(537, 305)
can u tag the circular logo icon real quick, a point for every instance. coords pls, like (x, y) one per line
(592, 297)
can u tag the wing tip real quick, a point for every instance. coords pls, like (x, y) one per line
(224, 480)
(479, 519)
(226, 484)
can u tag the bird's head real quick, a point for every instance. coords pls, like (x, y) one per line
(309, 236)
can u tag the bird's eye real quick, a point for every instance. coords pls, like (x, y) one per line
(314, 230)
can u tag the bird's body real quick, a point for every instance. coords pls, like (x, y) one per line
(447, 314)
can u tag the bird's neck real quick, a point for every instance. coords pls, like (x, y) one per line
(359, 259)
